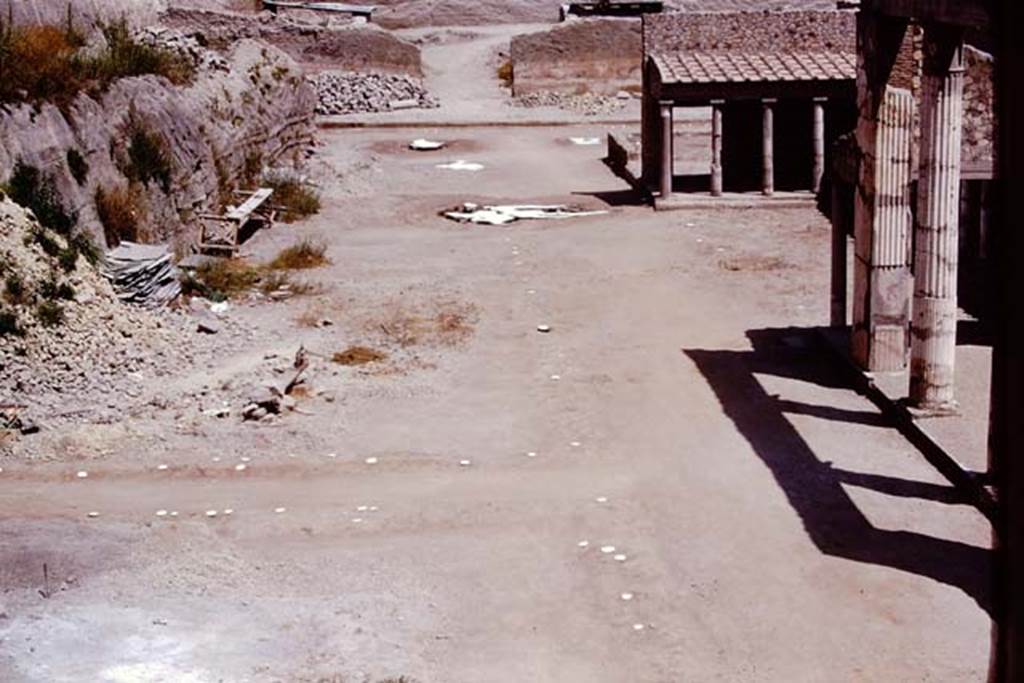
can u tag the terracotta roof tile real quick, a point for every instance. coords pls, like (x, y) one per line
(736, 67)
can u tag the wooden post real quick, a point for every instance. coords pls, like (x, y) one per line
(768, 147)
(819, 143)
(716, 147)
(667, 151)
(839, 240)
(936, 229)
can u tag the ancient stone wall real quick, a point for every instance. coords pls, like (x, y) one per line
(979, 108)
(751, 31)
(601, 56)
(226, 125)
(316, 45)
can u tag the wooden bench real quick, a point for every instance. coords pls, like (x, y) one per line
(221, 233)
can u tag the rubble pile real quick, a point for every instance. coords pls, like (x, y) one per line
(184, 44)
(587, 104)
(93, 356)
(359, 93)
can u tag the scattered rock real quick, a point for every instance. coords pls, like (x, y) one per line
(360, 93)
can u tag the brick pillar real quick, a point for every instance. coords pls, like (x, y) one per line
(936, 231)
(768, 147)
(882, 211)
(716, 147)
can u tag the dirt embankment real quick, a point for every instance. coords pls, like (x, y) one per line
(417, 13)
(254, 109)
(600, 56)
(317, 45)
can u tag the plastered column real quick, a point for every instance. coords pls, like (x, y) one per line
(667, 151)
(716, 147)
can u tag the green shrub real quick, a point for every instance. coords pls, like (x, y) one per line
(296, 198)
(50, 314)
(9, 326)
(148, 159)
(120, 211)
(68, 259)
(78, 165)
(53, 289)
(49, 245)
(46, 63)
(35, 190)
(15, 290)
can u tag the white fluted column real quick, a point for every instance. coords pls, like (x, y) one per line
(768, 147)
(937, 225)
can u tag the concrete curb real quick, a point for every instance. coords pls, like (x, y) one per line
(968, 482)
(328, 124)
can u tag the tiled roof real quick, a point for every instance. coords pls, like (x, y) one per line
(742, 67)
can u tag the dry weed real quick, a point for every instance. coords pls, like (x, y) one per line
(359, 355)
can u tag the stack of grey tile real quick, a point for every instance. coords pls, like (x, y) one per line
(143, 274)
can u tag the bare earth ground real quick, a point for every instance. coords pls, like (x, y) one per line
(774, 527)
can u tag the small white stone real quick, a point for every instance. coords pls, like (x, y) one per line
(240, 467)
(82, 474)
(531, 454)
(620, 558)
(555, 378)
(93, 514)
(607, 549)
(575, 444)
(544, 328)
(465, 463)
(245, 459)
(279, 510)
(357, 520)
(332, 455)
(216, 459)
(638, 627)
(374, 508)
(371, 461)
(626, 596)
(583, 544)
(229, 511)
(211, 513)
(531, 291)
(362, 508)
(162, 468)
(601, 499)
(174, 513)
(161, 513)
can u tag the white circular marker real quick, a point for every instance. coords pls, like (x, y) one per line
(240, 467)
(544, 328)
(82, 474)
(371, 461)
(626, 596)
(607, 549)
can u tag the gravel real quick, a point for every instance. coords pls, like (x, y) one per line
(587, 104)
(357, 93)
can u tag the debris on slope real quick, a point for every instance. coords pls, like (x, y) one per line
(356, 93)
(143, 274)
(68, 347)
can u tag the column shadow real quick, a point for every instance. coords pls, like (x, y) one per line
(812, 486)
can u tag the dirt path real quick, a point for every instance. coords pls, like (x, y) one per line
(772, 526)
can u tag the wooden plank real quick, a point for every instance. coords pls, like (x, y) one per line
(242, 213)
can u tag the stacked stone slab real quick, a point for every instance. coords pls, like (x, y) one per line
(352, 93)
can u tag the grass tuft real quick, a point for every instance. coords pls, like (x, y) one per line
(359, 355)
(301, 256)
(296, 198)
(120, 211)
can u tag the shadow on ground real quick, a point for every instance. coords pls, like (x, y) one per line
(813, 487)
